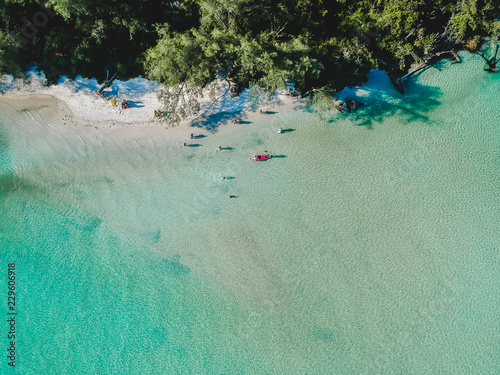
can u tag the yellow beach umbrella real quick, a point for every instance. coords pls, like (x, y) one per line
(112, 102)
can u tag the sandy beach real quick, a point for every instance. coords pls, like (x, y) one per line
(76, 105)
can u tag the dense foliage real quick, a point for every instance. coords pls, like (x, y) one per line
(186, 44)
(84, 37)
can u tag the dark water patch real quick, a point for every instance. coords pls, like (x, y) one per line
(154, 237)
(193, 145)
(173, 267)
(322, 335)
(278, 156)
(90, 225)
(10, 183)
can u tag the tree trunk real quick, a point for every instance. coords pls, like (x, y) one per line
(492, 63)
(107, 83)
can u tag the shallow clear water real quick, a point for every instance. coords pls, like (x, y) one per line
(368, 245)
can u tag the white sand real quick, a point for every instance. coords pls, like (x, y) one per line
(78, 105)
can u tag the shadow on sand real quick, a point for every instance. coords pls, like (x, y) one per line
(135, 104)
(212, 121)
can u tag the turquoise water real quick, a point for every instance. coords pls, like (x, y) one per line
(369, 245)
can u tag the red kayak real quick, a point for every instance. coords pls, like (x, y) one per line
(260, 157)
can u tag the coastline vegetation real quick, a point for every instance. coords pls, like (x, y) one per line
(321, 46)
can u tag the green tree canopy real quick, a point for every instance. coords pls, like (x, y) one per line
(186, 44)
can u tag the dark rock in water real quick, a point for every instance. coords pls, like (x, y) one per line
(350, 105)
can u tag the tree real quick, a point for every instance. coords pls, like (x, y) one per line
(492, 44)
(323, 102)
(184, 63)
(7, 55)
(243, 43)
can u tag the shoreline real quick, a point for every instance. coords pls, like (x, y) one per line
(83, 109)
